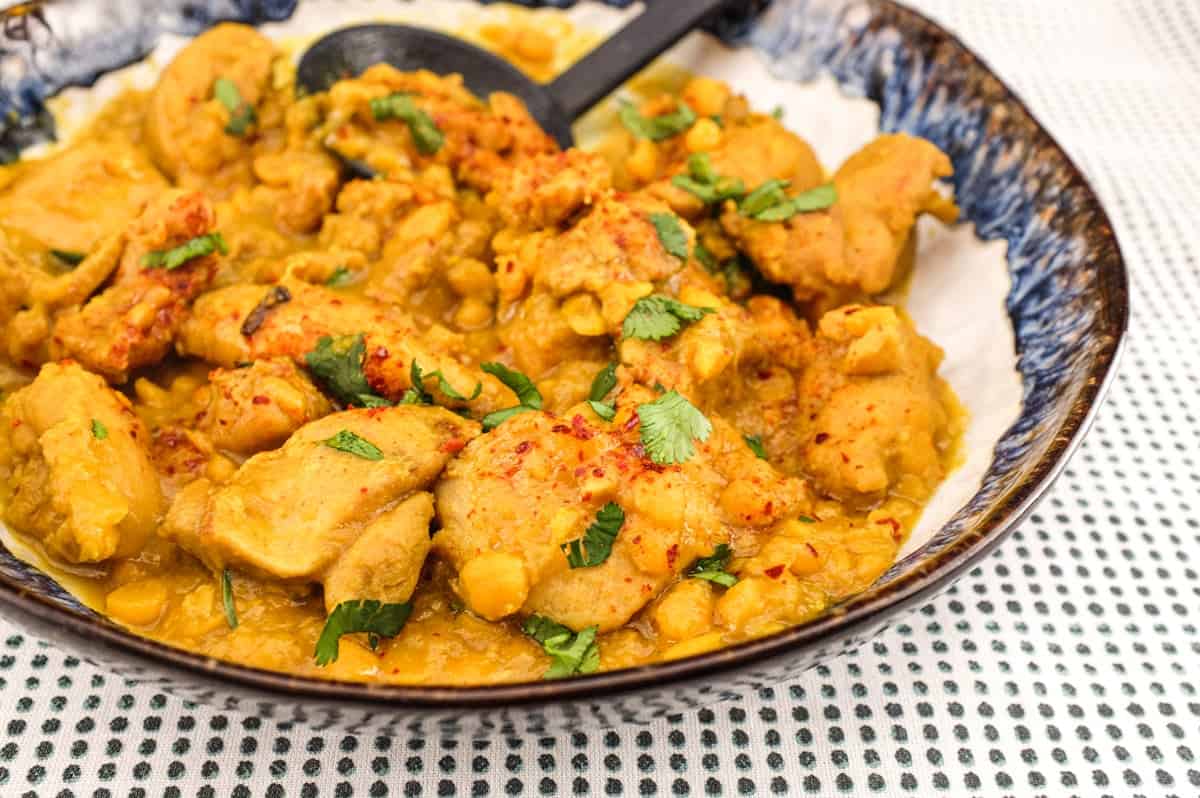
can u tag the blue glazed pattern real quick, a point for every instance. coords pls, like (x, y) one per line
(1068, 307)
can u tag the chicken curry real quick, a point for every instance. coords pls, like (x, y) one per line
(500, 412)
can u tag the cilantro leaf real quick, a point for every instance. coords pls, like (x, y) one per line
(351, 617)
(707, 259)
(657, 128)
(349, 442)
(606, 410)
(227, 599)
(756, 445)
(768, 194)
(596, 544)
(342, 276)
(773, 205)
(498, 417)
(69, 257)
(703, 181)
(603, 383)
(338, 364)
(656, 317)
(197, 247)
(527, 394)
(571, 653)
(669, 425)
(241, 113)
(713, 566)
(417, 395)
(99, 431)
(777, 112)
(425, 132)
(670, 234)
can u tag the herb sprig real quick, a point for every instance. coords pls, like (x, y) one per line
(712, 567)
(337, 363)
(417, 395)
(374, 618)
(570, 653)
(670, 426)
(352, 443)
(656, 317)
(596, 544)
(175, 257)
(425, 132)
(528, 396)
(602, 386)
(657, 128)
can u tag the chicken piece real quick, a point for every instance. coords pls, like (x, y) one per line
(75, 467)
(186, 125)
(613, 255)
(292, 512)
(516, 495)
(133, 322)
(255, 408)
(292, 328)
(556, 342)
(873, 407)
(73, 200)
(385, 562)
(478, 141)
(547, 190)
(854, 248)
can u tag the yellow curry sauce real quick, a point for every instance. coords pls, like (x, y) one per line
(551, 411)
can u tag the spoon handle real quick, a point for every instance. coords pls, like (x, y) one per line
(663, 23)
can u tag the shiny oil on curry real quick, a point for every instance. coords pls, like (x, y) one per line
(502, 412)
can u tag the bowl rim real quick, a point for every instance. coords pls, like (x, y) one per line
(1003, 515)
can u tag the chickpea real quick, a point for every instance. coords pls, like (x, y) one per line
(473, 314)
(746, 603)
(686, 610)
(706, 96)
(642, 163)
(582, 313)
(697, 645)
(471, 277)
(703, 136)
(533, 45)
(494, 584)
(137, 603)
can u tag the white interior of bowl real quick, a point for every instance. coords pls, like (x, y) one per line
(958, 289)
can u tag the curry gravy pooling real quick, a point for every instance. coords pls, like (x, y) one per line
(501, 413)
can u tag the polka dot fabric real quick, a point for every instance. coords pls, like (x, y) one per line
(1064, 665)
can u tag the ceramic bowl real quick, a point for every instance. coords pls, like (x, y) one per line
(1066, 309)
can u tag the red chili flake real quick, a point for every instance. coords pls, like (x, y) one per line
(453, 446)
(381, 352)
(637, 539)
(895, 525)
(523, 447)
(845, 459)
(560, 429)
(775, 571)
(597, 471)
(259, 399)
(768, 507)
(580, 471)
(821, 437)
(764, 374)
(16, 422)
(587, 497)
(812, 549)
(362, 490)
(633, 421)
(852, 311)
(375, 412)
(672, 555)
(580, 427)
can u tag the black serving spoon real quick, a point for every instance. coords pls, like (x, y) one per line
(347, 52)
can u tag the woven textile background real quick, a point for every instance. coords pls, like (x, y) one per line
(1067, 664)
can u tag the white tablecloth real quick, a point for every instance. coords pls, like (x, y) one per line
(1068, 663)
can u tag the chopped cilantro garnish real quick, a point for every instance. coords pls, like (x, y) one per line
(527, 394)
(656, 317)
(338, 364)
(417, 395)
(713, 566)
(604, 382)
(777, 112)
(707, 259)
(769, 202)
(804, 519)
(351, 617)
(670, 425)
(596, 544)
(341, 276)
(670, 234)
(570, 653)
(606, 410)
(756, 445)
(349, 442)
(657, 128)
(197, 247)
(424, 130)
(241, 113)
(99, 431)
(69, 257)
(227, 599)
(703, 181)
